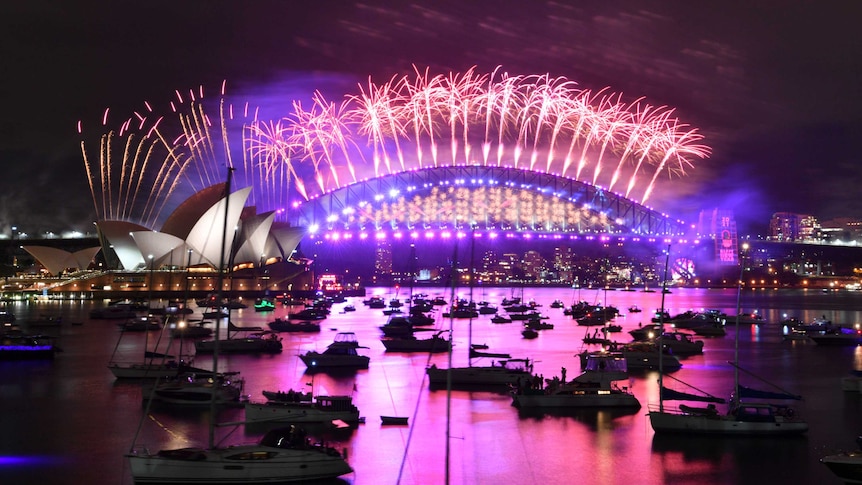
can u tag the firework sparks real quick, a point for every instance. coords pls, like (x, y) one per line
(481, 119)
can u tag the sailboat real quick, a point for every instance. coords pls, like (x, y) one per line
(502, 372)
(154, 365)
(282, 455)
(743, 416)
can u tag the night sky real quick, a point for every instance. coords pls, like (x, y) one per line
(773, 86)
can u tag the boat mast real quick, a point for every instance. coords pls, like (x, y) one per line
(735, 396)
(470, 305)
(220, 283)
(412, 269)
(452, 295)
(661, 331)
(184, 314)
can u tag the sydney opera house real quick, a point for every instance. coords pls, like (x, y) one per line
(206, 232)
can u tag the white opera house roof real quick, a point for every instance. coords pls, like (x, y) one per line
(193, 234)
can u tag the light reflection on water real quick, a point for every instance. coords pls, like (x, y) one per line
(72, 410)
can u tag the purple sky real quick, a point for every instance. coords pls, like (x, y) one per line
(774, 86)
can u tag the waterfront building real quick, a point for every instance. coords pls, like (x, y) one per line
(791, 227)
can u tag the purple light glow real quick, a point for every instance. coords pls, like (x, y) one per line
(8, 461)
(336, 236)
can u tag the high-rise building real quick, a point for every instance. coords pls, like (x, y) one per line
(564, 263)
(791, 227)
(534, 265)
(841, 230)
(383, 261)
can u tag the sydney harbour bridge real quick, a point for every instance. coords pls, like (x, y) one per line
(415, 156)
(483, 198)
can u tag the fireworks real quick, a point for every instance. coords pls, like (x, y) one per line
(536, 123)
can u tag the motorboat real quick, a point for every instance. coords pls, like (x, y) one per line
(419, 319)
(340, 354)
(290, 395)
(434, 344)
(646, 332)
(375, 302)
(846, 465)
(218, 313)
(794, 334)
(462, 312)
(714, 329)
(503, 372)
(281, 325)
(142, 323)
(594, 388)
(258, 342)
(500, 319)
(680, 343)
(398, 326)
(309, 314)
(593, 319)
(537, 324)
(116, 311)
(693, 320)
(529, 333)
(15, 345)
(264, 305)
(752, 318)
(282, 455)
(319, 410)
(838, 336)
(486, 308)
(189, 329)
(639, 356)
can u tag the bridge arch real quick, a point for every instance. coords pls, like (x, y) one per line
(483, 197)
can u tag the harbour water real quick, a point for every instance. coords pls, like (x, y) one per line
(69, 421)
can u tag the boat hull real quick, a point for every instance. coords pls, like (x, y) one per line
(574, 401)
(668, 423)
(846, 466)
(239, 346)
(416, 345)
(150, 371)
(279, 412)
(314, 360)
(227, 466)
(487, 376)
(837, 340)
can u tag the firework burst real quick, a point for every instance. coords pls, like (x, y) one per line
(534, 122)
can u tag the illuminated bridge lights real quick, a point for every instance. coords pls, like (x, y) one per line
(337, 236)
